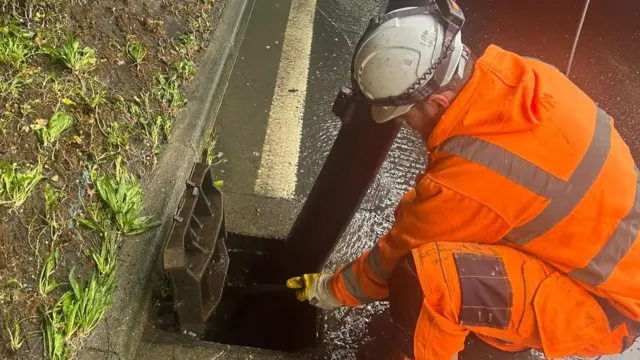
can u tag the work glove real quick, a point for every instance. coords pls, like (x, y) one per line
(314, 288)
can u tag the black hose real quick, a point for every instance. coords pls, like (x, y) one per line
(260, 289)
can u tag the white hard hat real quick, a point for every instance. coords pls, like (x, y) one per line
(406, 54)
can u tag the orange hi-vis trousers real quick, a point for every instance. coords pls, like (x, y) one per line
(511, 300)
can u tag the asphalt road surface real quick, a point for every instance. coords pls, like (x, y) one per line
(276, 125)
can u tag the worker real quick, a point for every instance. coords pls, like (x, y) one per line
(442, 291)
(518, 156)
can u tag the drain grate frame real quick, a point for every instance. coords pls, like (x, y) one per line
(195, 256)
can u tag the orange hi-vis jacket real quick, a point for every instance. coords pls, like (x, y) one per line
(522, 157)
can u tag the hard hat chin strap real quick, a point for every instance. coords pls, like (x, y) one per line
(462, 63)
(426, 84)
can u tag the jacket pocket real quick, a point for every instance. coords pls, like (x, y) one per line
(532, 274)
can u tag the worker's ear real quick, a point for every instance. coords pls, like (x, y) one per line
(442, 100)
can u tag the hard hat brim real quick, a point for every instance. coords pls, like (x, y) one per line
(385, 113)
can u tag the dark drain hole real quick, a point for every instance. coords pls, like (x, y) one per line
(272, 320)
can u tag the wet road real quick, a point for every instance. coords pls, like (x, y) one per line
(261, 93)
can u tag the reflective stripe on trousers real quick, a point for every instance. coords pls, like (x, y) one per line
(351, 281)
(563, 195)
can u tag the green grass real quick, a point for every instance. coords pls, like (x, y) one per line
(32, 85)
(153, 127)
(91, 300)
(17, 184)
(55, 220)
(77, 312)
(49, 131)
(54, 332)
(168, 91)
(97, 219)
(91, 95)
(122, 197)
(46, 283)
(116, 134)
(14, 333)
(137, 108)
(105, 257)
(200, 23)
(27, 108)
(55, 86)
(186, 44)
(16, 46)
(213, 157)
(81, 308)
(52, 198)
(12, 83)
(13, 283)
(186, 69)
(73, 56)
(135, 51)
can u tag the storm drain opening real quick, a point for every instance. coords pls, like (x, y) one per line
(225, 287)
(256, 308)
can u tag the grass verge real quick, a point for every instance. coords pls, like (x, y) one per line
(81, 125)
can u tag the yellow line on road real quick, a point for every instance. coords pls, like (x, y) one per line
(279, 163)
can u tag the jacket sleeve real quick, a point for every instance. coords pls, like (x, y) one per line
(429, 213)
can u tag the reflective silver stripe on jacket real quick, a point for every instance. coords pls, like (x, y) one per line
(374, 261)
(504, 162)
(601, 266)
(562, 202)
(352, 285)
(351, 282)
(563, 195)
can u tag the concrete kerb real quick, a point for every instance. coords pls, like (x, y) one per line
(167, 346)
(119, 335)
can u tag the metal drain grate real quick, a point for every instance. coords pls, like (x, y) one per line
(195, 256)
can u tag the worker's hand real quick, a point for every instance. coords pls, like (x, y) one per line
(314, 288)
